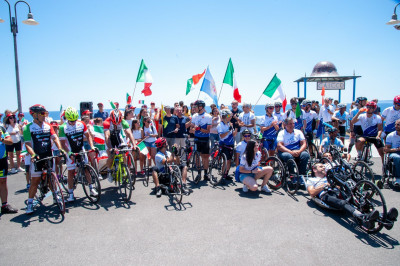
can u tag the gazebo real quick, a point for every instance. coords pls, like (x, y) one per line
(326, 75)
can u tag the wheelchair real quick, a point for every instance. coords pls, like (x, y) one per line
(388, 177)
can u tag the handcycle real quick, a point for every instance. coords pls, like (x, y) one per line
(388, 177)
(121, 174)
(218, 164)
(173, 186)
(85, 175)
(50, 181)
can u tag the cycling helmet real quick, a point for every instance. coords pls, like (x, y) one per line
(71, 114)
(341, 105)
(267, 105)
(371, 104)
(332, 129)
(396, 99)
(37, 108)
(226, 112)
(359, 99)
(306, 102)
(200, 103)
(161, 142)
(246, 131)
(116, 116)
(278, 104)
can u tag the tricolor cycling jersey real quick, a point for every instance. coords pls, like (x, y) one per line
(309, 117)
(223, 128)
(39, 137)
(270, 133)
(246, 119)
(291, 140)
(370, 124)
(391, 115)
(298, 124)
(353, 113)
(117, 134)
(393, 139)
(201, 120)
(327, 141)
(73, 134)
(3, 152)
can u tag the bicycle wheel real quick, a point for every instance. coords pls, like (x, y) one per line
(183, 156)
(217, 169)
(124, 180)
(95, 183)
(366, 198)
(277, 180)
(197, 167)
(312, 149)
(292, 177)
(130, 161)
(326, 162)
(177, 188)
(361, 171)
(64, 180)
(57, 193)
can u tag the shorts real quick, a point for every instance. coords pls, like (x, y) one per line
(15, 146)
(227, 150)
(170, 142)
(243, 176)
(342, 131)
(86, 146)
(202, 145)
(180, 142)
(151, 144)
(309, 137)
(358, 130)
(71, 165)
(3, 168)
(270, 144)
(377, 142)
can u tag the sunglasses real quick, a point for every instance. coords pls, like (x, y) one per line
(370, 107)
(293, 104)
(42, 113)
(11, 117)
(247, 136)
(270, 108)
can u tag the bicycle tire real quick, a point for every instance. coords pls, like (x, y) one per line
(95, 166)
(177, 194)
(148, 173)
(368, 197)
(132, 168)
(197, 167)
(277, 179)
(313, 154)
(217, 168)
(292, 179)
(124, 180)
(95, 183)
(57, 193)
(64, 180)
(183, 156)
(361, 171)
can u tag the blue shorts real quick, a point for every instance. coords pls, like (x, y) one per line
(270, 144)
(243, 176)
(151, 144)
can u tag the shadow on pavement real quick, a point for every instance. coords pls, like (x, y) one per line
(49, 213)
(110, 198)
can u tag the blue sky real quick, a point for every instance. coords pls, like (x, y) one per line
(91, 50)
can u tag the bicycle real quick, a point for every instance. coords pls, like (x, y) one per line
(186, 153)
(85, 175)
(218, 164)
(121, 174)
(366, 154)
(49, 180)
(197, 164)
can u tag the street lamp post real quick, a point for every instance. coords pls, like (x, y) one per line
(14, 30)
(394, 19)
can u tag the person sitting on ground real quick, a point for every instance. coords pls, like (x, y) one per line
(241, 147)
(163, 156)
(250, 170)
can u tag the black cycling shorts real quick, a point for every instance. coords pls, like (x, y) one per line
(15, 146)
(309, 137)
(377, 142)
(342, 131)
(228, 151)
(40, 166)
(3, 167)
(202, 145)
(358, 130)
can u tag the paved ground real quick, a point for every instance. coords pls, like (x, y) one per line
(215, 225)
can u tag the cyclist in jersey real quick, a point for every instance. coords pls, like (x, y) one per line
(309, 117)
(292, 114)
(201, 123)
(38, 135)
(247, 119)
(342, 117)
(391, 115)
(371, 125)
(331, 140)
(393, 148)
(227, 138)
(278, 114)
(115, 128)
(355, 129)
(5, 139)
(269, 129)
(241, 147)
(163, 156)
(71, 134)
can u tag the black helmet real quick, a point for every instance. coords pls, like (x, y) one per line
(359, 99)
(332, 129)
(246, 131)
(200, 103)
(37, 108)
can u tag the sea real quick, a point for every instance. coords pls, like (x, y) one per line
(259, 110)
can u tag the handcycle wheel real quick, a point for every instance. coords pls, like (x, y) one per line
(217, 168)
(328, 164)
(361, 171)
(124, 180)
(177, 188)
(292, 177)
(130, 161)
(89, 170)
(312, 149)
(57, 193)
(367, 197)
(277, 179)
(197, 167)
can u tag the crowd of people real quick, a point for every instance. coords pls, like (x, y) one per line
(285, 134)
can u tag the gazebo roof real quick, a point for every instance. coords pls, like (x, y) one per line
(321, 79)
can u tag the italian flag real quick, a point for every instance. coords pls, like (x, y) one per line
(141, 101)
(128, 99)
(112, 105)
(143, 149)
(192, 82)
(144, 76)
(274, 91)
(231, 80)
(99, 140)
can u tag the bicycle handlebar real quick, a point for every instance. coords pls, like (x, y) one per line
(50, 158)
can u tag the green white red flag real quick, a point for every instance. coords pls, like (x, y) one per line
(128, 99)
(144, 76)
(99, 140)
(192, 82)
(142, 147)
(231, 80)
(274, 91)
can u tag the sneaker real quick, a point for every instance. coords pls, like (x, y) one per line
(228, 177)
(245, 189)
(93, 192)
(185, 190)
(29, 208)
(110, 177)
(206, 178)
(20, 169)
(13, 171)
(392, 214)
(397, 182)
(71, 198)
(8, 209)
(266, 189)
(158, 192)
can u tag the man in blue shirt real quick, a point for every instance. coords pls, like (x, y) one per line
(101, 113)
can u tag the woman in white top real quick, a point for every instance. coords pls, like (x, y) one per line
(137, 133)
(12, 127)
(250, 171)
(216, 119)
(149, 136)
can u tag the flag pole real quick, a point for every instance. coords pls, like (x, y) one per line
(220, 91)
(134, 90)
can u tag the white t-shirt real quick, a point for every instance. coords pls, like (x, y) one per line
(151, 130)
(17, 137)
(393, 139)
(309, 117)
(391, 115)
(369, 125)
(241, 147)
(327, 141)
(291, 140)
(316, 182)
(202, 120)
(246, 119)
(324, 114)
(270, 133)
(253, 165)
(223, 128)
(159, 158)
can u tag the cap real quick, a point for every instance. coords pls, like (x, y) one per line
(86, 112)
(100, 104)
(152, 103)
(144, 106)
(21, 114)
